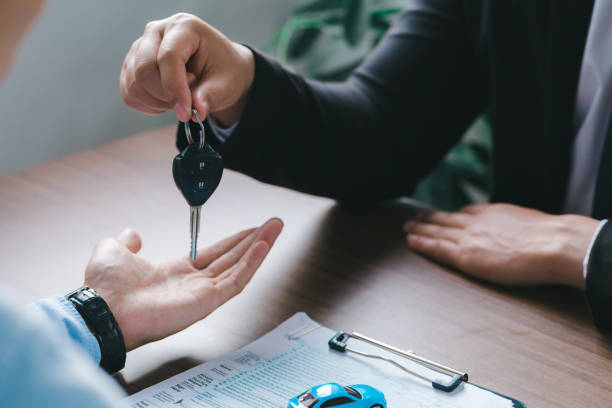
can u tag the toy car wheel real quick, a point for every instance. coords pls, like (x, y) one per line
(376, 406)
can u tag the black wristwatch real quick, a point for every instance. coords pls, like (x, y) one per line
(104, 327)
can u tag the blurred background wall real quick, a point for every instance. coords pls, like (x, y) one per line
(62, 95)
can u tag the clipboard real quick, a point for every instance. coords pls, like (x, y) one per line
(295, 356)
(339, 342)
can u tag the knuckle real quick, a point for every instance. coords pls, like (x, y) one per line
(178, 16)
(183, 17)
(152, 26)
(178, 19)
(192, 24)
(186, 21)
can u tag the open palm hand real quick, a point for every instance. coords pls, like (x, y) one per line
(152, 301)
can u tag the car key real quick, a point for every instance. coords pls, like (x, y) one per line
(197, 171)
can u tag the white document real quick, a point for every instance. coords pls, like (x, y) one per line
(294, 357)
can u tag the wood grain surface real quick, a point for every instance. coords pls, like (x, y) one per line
(348, 269)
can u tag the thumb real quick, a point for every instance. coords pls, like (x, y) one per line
(174, 52)
(130, 239)
(208, 96)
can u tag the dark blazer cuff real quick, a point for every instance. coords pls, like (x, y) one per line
(599, 278)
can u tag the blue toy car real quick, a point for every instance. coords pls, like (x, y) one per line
(336, 395)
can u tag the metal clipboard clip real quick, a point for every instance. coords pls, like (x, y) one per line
(340, 340)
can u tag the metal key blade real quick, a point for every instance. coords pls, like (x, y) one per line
(195, 230)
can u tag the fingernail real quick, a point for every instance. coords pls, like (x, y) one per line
(181, 112)
(279, 220)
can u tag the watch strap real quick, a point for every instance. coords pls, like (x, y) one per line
(103, 326)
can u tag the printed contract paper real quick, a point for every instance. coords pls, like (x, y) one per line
(292, 358)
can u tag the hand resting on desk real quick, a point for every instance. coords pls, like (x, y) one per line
(152, 301)
(505, 243)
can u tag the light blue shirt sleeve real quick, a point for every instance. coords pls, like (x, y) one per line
(62, 313)
(220, 133)
(49, 360)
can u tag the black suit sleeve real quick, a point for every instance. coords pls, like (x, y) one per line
(375, 135)
(599, 278)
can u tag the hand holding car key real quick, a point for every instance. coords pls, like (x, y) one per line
(197, 171)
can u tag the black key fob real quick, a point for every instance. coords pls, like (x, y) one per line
(197, 173)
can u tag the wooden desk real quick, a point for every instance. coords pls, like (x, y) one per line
(347, 270)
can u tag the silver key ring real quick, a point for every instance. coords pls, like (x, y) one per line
(188, 130)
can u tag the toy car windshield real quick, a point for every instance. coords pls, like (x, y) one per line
(307, 400)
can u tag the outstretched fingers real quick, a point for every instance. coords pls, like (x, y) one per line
(230, 257)
(233, 281)
(220, 257)
(267, 233)
(208, 255)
